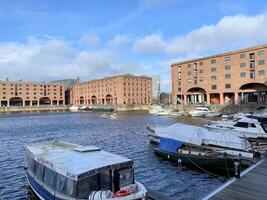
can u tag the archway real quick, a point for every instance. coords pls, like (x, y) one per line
(81, 100)
(45, 101)
(253, 93)
(93, 100)
(109, 99)
(196, 95)
(16, 101)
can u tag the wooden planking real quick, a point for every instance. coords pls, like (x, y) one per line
(252, 185)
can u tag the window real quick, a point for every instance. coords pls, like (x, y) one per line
(252, 125)
(242, 55)
(201, 71)
(201, 64)
(213, 61)
(242, 64)
(213, 69)
(261, 72)
(260, 53)
(241, 124)
(201, 79)
(227, 67)
(189, 80)
(189, 73)
(188, 66)
(227, 59)
(213, 78)
(227, 76)
(227, 85)
(179, 68)
(252, 56)
(261, 62)
(243, 74)
(214, 87)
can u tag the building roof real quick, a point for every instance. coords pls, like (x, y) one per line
(28, 82)
(220, 55)
(73, 160)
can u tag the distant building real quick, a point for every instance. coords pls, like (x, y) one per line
(156, 89)
(165, 98)
(67, 83)
(21, 93)
(114, 90)
(237, 77)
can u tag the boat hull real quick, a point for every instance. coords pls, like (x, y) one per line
(218, 165)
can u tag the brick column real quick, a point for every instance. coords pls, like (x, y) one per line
(185, 99)
(221, 99)
(208, 98)
(7, 103)
(236, 98)
(23, 103)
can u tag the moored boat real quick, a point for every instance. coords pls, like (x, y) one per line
(203, 111)
(60, 170)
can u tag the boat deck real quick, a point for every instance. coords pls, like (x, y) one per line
(252, 185)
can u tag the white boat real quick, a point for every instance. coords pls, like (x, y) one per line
(154, 109)
(223, 142)
(74, 108)
(65, 171)
(249, 126)
(163, 112)
(204, 112)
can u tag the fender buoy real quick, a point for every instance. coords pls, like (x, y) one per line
(123, 193)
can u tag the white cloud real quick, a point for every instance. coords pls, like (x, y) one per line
(230, 32)
(39, 60)
(119, 40)
(149, 44)
(90, 39)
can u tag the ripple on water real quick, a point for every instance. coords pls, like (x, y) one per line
(124, 136)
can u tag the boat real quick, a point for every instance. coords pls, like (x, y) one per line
(248, 126)
(199, 147)
(100, 108)
(61, 170)
(74, 108)
(204, 111)
(84, 108)
(154, 109)
(163, 112)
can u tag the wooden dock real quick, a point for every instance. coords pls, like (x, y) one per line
(252, 185)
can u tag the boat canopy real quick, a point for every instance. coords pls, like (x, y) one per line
(75, 161)
(202, 136)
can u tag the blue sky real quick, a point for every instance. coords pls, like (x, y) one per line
(56, 39)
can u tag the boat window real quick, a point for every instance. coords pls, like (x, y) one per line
(241, 124)
(252, 126)
(87, 185)
(264, 126)
(126, 177)
(66, 186)
(39, 171)
(50, 177)
(105, 180)
(31, 164)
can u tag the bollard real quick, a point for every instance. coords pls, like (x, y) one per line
(237, 169)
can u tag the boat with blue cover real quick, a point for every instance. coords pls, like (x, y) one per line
(59, 170)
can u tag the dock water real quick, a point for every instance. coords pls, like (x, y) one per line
(155, 195)
(251, 185)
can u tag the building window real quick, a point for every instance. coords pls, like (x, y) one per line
(189, 80)
(189, 66)
(213, 69)
(201, 64)
(227, 85)
(242, 55)
(213, 78)
(227, 59)
(201, 79)
(261, 62)
(189, 73)
(261, 72)
(243, 74)
(261, 53)
(213, 61)
(252, 56)
(214, 87)
(201, 71)
(227, 76)
(179, 68)
(242, 64)
(227, 67)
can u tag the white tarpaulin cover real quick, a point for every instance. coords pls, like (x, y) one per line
(199, 135)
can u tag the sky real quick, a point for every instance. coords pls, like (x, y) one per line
(45, 40)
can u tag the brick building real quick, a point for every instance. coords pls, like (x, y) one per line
(20, 93)
(237, 77)
(115, 90)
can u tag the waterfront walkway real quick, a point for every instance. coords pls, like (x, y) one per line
(252, 185)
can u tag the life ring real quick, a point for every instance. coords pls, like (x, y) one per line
(123, 193)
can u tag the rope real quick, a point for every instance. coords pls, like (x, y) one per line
(210, 173)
